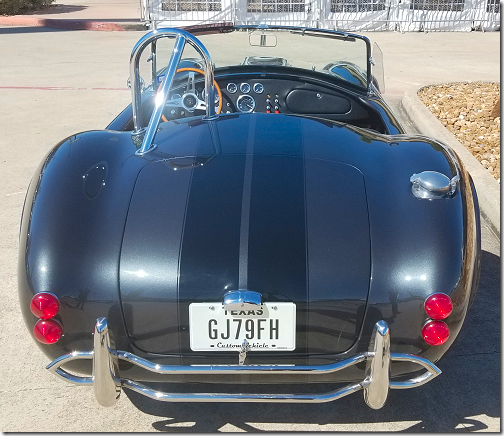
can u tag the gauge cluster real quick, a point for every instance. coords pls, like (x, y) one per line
(243, 96)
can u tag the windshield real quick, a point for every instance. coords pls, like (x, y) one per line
(337, 54)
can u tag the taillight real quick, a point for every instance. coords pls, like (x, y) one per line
(47, 331)
(44, 305)
(435, 332)
(438, 306)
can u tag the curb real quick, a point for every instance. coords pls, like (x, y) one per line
(487, 188)
(20, 20)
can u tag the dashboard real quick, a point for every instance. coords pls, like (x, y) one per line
(281, 96)
(274, 93)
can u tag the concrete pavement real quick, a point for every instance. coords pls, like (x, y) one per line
(54, 83)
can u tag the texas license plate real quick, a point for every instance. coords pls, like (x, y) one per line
(272, 327)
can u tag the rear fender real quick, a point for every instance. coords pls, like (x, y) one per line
(420, 247)
(71, 233)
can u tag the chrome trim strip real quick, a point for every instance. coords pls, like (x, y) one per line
(107, 382)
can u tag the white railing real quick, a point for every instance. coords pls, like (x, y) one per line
(175, 13)
(347, 15)
(359, 15)
(277, 12)
(487, 16)
(431, 15)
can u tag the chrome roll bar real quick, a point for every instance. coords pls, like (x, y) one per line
(106, 379)
(182, 37)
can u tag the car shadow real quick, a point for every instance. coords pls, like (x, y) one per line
(468, 388)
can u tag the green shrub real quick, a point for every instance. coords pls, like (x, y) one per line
(14, 7)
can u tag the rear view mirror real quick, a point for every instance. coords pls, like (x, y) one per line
(261, 39)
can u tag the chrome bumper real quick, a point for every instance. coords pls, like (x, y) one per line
(107, 382)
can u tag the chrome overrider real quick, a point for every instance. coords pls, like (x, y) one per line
(107, 382)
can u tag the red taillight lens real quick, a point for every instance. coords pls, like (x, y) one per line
(438, 306)
(47, 331)
(435, 332)
(44, 305)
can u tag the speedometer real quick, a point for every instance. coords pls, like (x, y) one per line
(245, 103)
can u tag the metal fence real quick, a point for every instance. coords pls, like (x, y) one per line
(446, 15)
(348, 15)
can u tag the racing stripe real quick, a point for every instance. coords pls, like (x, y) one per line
(245, 215)
(277, 259)
(209, 259)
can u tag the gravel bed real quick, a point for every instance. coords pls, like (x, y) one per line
(471, 112)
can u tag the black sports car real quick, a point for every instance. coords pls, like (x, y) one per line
(255, 218)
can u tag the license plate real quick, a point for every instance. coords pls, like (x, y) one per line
(272, 327)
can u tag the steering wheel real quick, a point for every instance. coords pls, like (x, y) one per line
(190, 101)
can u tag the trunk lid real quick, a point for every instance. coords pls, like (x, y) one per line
(294, 229)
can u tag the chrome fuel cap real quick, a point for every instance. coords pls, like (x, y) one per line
(431, 185)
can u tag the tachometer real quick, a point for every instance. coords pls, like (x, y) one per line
(245, 103)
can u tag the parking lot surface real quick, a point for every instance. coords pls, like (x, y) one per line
(56, 83)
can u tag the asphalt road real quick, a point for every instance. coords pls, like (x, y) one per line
(56, 83)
